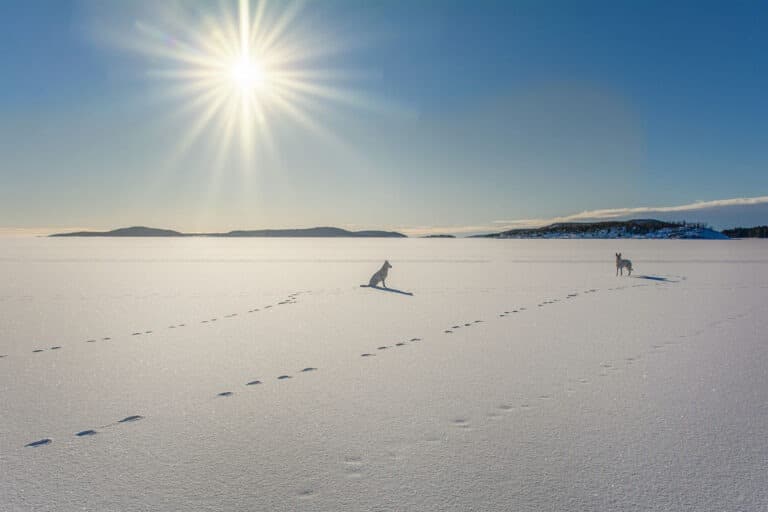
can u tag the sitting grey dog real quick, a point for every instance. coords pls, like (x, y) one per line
(380, 276)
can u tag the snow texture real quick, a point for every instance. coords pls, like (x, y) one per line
(213, 374)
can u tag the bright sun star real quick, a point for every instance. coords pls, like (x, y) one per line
(236, 69)
(247, 75)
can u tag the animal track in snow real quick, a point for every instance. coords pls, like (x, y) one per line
(41, 442)
(129, 419)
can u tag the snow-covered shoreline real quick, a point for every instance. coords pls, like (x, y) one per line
(640, 229)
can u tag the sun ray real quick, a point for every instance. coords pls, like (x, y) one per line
(214, 103)
(242, 74)
(256, 23)
(273, 35)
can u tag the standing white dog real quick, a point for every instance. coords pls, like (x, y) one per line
(622, 264)
(380, 276)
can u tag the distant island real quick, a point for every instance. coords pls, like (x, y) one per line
(438, 236)
(134, 231)
(636, 228)
(754, 232)
(320, 232)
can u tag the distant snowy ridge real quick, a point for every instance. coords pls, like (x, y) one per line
(636, 228)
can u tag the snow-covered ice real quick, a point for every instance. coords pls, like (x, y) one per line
(228, 374)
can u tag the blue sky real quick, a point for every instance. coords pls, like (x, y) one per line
(450, 115)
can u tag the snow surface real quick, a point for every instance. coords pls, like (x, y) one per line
(559, 386)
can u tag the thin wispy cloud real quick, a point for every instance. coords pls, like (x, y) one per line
(618, 213)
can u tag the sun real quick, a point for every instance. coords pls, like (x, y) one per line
(239, 72)
(247, 75)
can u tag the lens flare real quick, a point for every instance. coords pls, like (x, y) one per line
(237, 69)
(247, 75)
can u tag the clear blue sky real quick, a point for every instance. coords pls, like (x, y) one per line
(474, 111)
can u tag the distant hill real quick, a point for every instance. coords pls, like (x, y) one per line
(754, 232)
(132, 231)
(438, 236)
(637, 228)
(321, 232)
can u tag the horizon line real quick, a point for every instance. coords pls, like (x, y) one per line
(496, 226)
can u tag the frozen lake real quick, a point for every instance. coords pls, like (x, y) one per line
(255, 374)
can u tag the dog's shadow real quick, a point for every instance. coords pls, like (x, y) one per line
(656, 278)
(391, 290)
